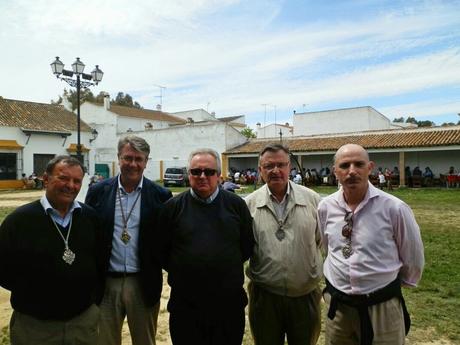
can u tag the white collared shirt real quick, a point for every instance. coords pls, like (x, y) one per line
(385, 240)
(62, 221)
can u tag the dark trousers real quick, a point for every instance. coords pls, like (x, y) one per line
(273, 317)
(207, 326)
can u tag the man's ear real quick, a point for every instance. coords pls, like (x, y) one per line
(45, 178)
(371, 167)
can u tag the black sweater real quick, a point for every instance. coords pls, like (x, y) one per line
(204, 247)
(31, 267)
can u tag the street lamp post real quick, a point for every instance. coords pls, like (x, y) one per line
(89, 79)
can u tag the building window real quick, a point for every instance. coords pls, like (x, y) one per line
(40, 162)
(8, 166)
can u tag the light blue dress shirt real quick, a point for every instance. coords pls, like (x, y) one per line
(124, 256)
(62, 221)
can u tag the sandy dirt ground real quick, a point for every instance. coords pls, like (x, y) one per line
(15, 199)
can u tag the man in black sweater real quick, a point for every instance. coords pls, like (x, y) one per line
(50, 260)
(206, 236)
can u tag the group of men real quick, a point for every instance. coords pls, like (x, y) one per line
(75, 271)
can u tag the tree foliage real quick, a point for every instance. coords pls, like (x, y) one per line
(87, 96)
(411, 119)
(248, 133)
(125, 100)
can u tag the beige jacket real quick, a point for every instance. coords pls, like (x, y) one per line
(291, 267)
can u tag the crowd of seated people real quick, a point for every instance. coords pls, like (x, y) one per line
(453, 178)
(382, 177)
(243, 177)
(413, 178)
(32, 182)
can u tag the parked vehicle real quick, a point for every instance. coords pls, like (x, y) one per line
(176, 177)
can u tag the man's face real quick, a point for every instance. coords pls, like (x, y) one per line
(201, 184)
(63, 185)
(132, 164)
(274, 167)
(352, 167)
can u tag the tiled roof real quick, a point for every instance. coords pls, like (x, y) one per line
(389, 139)
(148, 114)
(38, 116)
(229, 118)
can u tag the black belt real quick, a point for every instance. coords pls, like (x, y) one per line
(361, 302)
(121, 274)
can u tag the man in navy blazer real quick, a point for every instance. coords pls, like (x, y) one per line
(128, 205)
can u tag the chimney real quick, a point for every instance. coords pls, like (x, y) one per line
(158, 107)
(107, 101)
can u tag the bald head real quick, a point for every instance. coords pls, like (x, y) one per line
(351, 148)
(352, 168)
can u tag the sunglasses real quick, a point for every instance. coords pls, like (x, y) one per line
(347, 229)
(207, 172)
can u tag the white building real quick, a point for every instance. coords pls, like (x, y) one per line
(347, 120)
(171, 136)
(273, 130)
(33, 133)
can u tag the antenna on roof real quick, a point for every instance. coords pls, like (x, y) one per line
(161, 94)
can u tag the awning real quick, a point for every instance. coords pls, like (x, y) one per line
(73, 148)
(10, 145)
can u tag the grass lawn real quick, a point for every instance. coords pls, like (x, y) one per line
(435, 304)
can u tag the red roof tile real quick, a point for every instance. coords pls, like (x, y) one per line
(391, 139)
(38, 116)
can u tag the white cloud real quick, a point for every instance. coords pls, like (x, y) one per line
(229, 53)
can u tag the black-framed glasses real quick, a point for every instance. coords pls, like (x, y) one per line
(207, 172)
(272, 166)
(347, 230)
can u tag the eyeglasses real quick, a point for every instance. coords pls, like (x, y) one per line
(346, 232)
(207, 172)
(272, 166)
(130, 159)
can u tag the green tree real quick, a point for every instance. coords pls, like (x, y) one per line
(125, 100)
(426, 123)
(248, 133)
(71, 96)
(398, 119)
(411, 119)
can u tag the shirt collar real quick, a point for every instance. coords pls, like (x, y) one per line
(272, 196)
(209, 199)
(138, 188)
(371, 193)
(47, 206)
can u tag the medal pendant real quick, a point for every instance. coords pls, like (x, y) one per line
(280, 234)
(347, 251)
(125, 237)
(68, 256)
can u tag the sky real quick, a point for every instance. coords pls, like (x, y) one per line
(262, 59)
